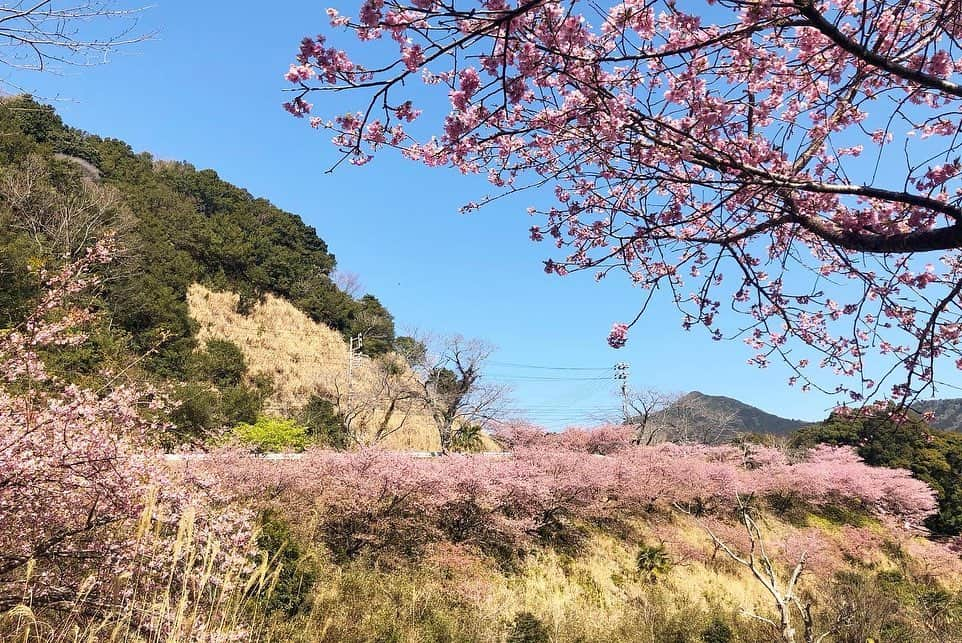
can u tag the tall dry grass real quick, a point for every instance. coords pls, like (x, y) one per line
(182, 587)
(302, 358)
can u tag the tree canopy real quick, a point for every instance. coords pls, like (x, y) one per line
(784, 172)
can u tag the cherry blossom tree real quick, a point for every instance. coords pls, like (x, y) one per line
(785, 172)
(88, 511)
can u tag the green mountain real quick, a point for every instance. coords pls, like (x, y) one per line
(947, 412)
(176, 225)
(62, 188)
(702, 409)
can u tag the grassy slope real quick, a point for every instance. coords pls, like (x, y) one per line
(300, 356)
(597, 595)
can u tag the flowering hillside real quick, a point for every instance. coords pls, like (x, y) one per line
(580, 521)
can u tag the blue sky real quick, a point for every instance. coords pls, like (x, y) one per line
(208, 89)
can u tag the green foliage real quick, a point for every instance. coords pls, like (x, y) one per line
(196, 413)
(370, 319)
(201, 410)
(324, 424)
(413, 350)
(221, 362)
(294, 574)
(653, 561)
(933, 456)
(188, 226)
(717, 631)
(467, 438)
(272, 434)
(241, 404)
(527, 628)
(20, 284)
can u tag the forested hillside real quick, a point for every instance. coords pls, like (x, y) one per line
(176, 224)
(744, 418)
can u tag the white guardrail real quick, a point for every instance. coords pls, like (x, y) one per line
(182, 457)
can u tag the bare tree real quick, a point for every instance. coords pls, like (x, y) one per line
(348, 282)
(41, 35)
(793, 609)
(669, 417)
(453, 388)
(640, 409)
(692, 419)
(63, 220)
(381, 404)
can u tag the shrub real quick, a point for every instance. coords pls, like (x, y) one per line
(467, 439)
(197, 411)
(241, 404)
(528, 628)
(392, 505)
(273, 434)
(717, 631)
(221, 362)
(653, 561)
(886, 440)
(293, 576)
(324, 424)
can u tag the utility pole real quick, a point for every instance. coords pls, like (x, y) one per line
(353, 358)
(621, 373)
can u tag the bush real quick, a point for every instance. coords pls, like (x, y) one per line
(467, 439)
(324, 424)
(294, 577)
(221, 362)
(197, 413)
(272, 434)
(717, 631)
(203, 410)
(241, 404)
(528, 628)
(653, 561)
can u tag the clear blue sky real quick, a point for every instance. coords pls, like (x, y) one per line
(207, 90)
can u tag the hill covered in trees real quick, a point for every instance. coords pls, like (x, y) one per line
(743, 418)
(946, 414)
(176, 225)
(173, 226)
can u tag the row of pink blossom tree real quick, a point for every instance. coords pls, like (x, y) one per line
(389, 504)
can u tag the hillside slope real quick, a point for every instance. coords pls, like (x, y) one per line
(746, 418)
(175, 225)
(302, 358)
(947, 412)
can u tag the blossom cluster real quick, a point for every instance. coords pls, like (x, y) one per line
(732, 165)
(88, 512)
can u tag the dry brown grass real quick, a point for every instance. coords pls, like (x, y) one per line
(303, 358)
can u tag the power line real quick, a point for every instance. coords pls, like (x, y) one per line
(546, 378)
(550, 368)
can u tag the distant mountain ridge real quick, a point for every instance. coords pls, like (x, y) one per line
(745, 417)
(948, 413)
(751, 419)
